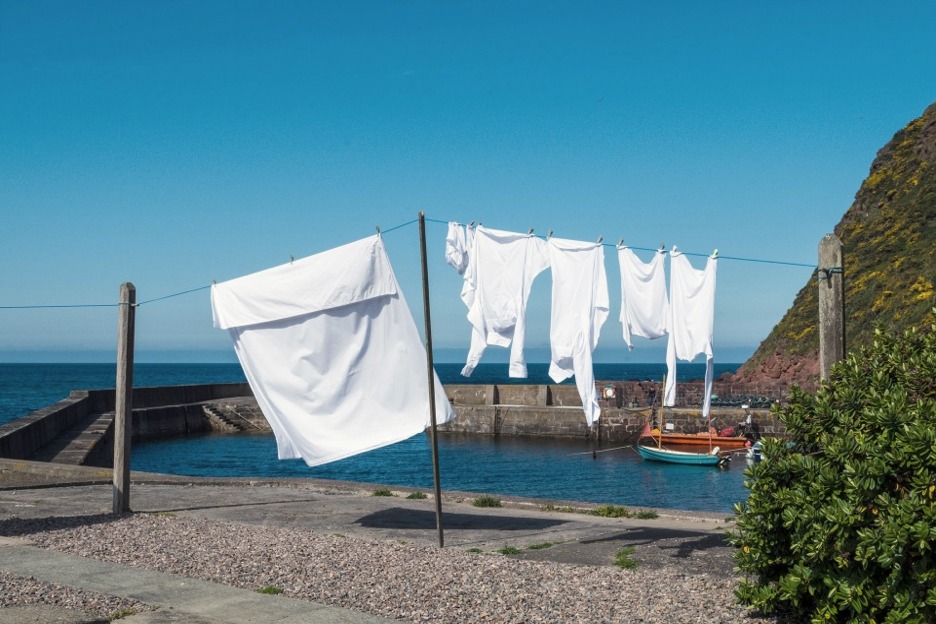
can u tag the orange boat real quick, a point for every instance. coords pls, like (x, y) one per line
(697, 439)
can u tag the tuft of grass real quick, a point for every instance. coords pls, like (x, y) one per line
(611, 511)
(508, 550)
(121, 614)
(647, 515)
(417, 496)
(486, 501)
(270, 590)
(475, 550)
(540, 546)
(624, 560)
(383, 493)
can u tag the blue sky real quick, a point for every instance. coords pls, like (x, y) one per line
(174, 143)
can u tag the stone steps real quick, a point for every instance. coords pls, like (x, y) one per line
(220, 422)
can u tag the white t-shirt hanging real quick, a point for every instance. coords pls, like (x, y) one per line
(331, 352)
(579, 309)
(691, 323)
(644, 304)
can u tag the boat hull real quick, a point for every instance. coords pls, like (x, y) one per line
(670, 456)
(698, 439)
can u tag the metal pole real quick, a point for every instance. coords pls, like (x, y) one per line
(431, 374)
(831, 304)
(123, 399)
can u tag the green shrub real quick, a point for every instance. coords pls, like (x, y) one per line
(647, 514)
(486, 501)
(417, 496)
(383, 493)
(840, 524)
(611, 511)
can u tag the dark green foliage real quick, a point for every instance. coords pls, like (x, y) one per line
(840, 525)
(486, 501)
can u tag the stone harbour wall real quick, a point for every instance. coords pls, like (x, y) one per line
(556, 410)
(507, 409)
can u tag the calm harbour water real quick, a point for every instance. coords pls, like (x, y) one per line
(558, 469)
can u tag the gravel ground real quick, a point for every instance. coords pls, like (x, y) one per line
(397, 580)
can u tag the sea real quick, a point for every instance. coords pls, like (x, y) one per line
(497, 465)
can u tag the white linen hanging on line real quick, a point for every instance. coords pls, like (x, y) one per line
(580, 306)
(456, 247)
(644, 305)
(501, 269)
(691, 322)
(331, 352)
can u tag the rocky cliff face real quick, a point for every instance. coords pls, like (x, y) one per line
(889, 239)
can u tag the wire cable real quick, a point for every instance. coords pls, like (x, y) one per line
(685, 253)
(387, 231)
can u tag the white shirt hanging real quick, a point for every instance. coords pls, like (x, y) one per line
(456, 247)
(501, 269)
(331, 352)
(579, 309)
(691, 322)
(644, 305)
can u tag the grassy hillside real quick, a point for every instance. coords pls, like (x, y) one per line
(889, 239)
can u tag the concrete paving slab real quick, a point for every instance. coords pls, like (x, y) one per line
(184, 597)
(46, 614)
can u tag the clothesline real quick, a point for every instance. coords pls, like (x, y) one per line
(382, 231)
(701, 255)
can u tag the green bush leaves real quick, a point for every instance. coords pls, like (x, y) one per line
(840, 523)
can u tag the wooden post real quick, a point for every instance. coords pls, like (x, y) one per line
(831, 304)
(123, 400)
(431, 373)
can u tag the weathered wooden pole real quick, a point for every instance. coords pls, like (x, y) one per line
(831, 304)
(433, 434)
(123, 400)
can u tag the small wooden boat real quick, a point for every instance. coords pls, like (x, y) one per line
(711, 456)
(697, 439)
(657, 453)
